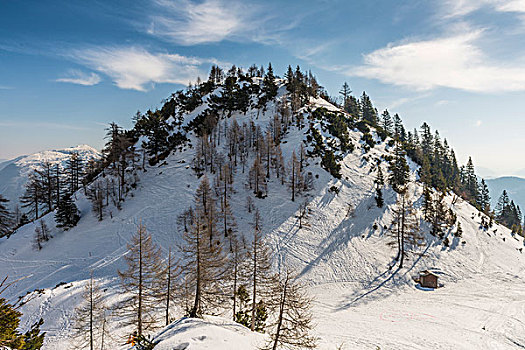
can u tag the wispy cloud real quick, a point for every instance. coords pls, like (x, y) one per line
(443, 103)
(138, 69)
(5, 87)
(81, 78)
(459, 8)
(47, 125)
(188, 22)
(455, 62)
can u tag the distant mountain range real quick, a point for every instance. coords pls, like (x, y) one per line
(14, 172)
(514, 185)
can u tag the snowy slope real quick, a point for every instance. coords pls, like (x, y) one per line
(209, 333)
(360, 303)
(14, 173)
(3, 163)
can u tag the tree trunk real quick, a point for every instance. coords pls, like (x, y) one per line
(235, 282)
(168, 289)
(252, 326)
(293, 180)
(402, 233)
(139, 311)
(281, 312)
(194, 311)
(91, 313)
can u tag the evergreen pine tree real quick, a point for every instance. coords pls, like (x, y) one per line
(368, 112)
(387, 123)
(399, 169)
(471, 182)
(10, 337)
(459, 230)
(269, 86)
(439, 219)
(399, 129)
(428, 203)
(502, 207)
(379, 182)
(484, 195)
(345, 93)
(67, 215)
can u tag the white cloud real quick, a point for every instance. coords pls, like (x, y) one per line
(81, 78)
(458, 8)
(511, 6)
(454, 62)
(442, 103)
(188, 23)
(137, 69)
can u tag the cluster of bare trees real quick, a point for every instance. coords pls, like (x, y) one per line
(405, 227)
(119, 173)
(221, 266)
(220, 271)
(42, 234)
(90, 321)
(49, 183)
(249, 143)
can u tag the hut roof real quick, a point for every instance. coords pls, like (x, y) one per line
(427, 273)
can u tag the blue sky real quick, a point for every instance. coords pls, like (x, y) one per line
(68, 68)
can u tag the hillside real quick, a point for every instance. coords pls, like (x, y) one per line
(343, 252)
(14, 172)
(515, 187)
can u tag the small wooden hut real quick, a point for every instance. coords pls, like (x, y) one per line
(428, 279)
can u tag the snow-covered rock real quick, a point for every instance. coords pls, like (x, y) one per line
(209, 333)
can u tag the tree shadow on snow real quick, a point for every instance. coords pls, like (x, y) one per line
(351, 227)
(381, 286)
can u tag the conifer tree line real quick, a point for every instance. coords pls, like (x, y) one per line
(509, 214)
(439, 168)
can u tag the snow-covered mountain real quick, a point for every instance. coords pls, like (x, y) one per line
(14, 172)
(343, 254)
